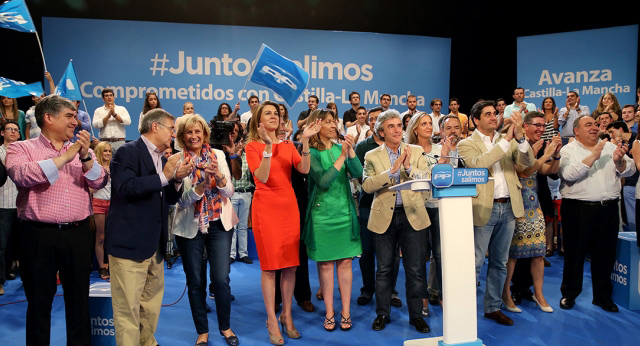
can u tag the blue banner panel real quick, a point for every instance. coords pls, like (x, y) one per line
(210, 64)
(591, 62)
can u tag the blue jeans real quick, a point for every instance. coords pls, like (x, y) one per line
(242, 205)
(435, 265)
(495, 236)
(412, 243)
(367, 260)
(217, 243)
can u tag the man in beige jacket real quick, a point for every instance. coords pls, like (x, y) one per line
(499, 202)
(397, 218)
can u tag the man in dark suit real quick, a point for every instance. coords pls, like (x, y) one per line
(143, 185)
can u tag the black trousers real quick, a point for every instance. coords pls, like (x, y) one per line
(45, 251)
(302, 290)
(589, 228)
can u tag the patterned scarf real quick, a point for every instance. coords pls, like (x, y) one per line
(209, 207)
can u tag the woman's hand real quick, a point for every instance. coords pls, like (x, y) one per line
(262, 132)
(311, 129)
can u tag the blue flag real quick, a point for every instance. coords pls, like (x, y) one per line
(68, 86)
(14, 89)
(279, 74)
(14, 15)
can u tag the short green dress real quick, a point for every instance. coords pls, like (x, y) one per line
(331, 231)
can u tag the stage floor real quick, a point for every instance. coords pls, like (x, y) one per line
(586, 324)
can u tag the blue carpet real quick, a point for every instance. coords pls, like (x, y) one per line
(584, 325)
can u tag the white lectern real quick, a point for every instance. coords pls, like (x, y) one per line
(454, 189)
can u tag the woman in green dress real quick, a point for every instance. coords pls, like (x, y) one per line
(332, 232)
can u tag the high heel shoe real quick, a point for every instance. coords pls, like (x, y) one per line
(345, 321)
(291, 333)
(543, 308)
(274, 339)
(330, 322)
(516, 309)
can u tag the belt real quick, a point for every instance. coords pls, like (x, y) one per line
(598, 203)
(61, 226)
(501, 200)
(245, 189)
(112, 139)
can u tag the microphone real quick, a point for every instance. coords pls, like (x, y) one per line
(436, 157)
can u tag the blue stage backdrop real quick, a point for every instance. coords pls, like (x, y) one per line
(591, 62)
(209, 64)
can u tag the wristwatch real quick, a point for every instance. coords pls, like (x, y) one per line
(266, 155)
(86, 159)
(520, 140)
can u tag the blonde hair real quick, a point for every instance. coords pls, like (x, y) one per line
(99, 149)
(254, 124)
(188, 121)
(410, 136)
(322, 114)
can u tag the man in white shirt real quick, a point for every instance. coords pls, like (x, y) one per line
(111, 120)
(253, 102)
(518, 105)
(590, 170)
(436, 107)
(8, 194)
(360, 128)
(499, 202)
(568, 114)
(412, 102)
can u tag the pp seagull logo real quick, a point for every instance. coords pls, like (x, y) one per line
(280, 79)
(12, 17)
(442, 175)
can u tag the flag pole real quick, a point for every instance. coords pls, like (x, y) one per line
(41, 52)
(91, 125)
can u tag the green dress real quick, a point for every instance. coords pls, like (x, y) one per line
(331, 231)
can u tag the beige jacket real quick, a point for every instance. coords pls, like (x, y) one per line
(475, 154)
(376, 180)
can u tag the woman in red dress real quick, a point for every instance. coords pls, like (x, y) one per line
(274, 215)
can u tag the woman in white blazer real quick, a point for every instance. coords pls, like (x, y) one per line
(205, 219)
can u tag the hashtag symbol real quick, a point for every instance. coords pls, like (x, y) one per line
(162, 67)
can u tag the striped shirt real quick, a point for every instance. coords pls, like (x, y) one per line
(549, 131)
(46, 193)
(8, 191)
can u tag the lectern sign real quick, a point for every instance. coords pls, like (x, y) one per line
(470, 176)
(442, 175)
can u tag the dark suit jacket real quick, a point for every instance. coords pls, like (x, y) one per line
(138, 215)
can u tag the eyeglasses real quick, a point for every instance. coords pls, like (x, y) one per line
(172, 128)
(538, 125)
(12, 129)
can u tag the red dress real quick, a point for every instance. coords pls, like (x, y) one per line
(274, 215)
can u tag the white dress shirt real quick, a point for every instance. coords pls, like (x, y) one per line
(600, 182)
(113, 128)
(244, 117)
(354, 132)
(500, 187)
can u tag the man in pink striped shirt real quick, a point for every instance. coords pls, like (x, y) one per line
(53, 177)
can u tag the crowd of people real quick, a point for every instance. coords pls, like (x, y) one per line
(321, 193)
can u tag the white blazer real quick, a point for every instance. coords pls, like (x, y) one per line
(185, 223)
